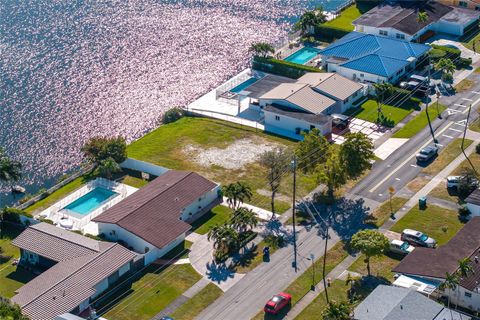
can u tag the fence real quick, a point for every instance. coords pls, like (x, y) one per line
(142, 166)
(225, 117)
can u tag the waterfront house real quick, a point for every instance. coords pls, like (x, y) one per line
(398, 19)
(155, 219)
(372, 58)
(427, 268)
(75, 270)
(394, 303)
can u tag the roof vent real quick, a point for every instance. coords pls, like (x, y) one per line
(476, 259)
(177, 198)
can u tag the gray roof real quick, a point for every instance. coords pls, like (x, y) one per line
(319, 119)
(266, 84)
(394, 303)
(474, 198)
(153, 212)
(54, 243)
(332, 84)
(461, 16)
(71, 281)
(402, 15)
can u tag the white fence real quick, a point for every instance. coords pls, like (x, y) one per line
(143, 166)
(221, 116)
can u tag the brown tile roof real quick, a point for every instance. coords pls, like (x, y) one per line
(436, 262)
(474, 197)
(54, 243)
(64, 286)
(153, 212)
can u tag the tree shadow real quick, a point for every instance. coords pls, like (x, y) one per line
(363, 287)
(245, 258)
(219, 272)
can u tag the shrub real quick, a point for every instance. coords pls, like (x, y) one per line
(101, 148)
(46, 221)
(477, 148)
(329, 34)
(13, 214)
(274, 241)
(464, 212)
(281, 67)
(173, 115)
(464, 63)
(436, 54)
(451, 52)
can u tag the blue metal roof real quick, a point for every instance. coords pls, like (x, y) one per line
(374, 54)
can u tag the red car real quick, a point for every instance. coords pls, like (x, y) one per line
(277, 303)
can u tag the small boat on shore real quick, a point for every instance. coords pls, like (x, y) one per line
(18, 189)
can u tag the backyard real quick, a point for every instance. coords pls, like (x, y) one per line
(221, 151)
(346, 17)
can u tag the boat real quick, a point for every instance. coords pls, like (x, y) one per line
(18, 189)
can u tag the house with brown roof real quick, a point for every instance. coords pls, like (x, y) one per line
(77, 270)
(290, 108)
(426, 265)
(155, 219)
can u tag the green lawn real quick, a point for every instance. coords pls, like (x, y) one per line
(431, 221)
(447, 155)
(167, 146)
(11, 278)
(218, 215)
(368, 111)
(197, 303)
(344, 20)
(380, 266)
(253, 259)
(154, 291)
(418, 123)
(382, 213)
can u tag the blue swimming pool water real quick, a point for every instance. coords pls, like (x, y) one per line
(242, 86)
(303, 55)
(90, 201)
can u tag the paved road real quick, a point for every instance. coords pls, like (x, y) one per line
(401, 166)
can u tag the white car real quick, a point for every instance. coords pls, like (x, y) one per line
(401, 247)
(452, 181)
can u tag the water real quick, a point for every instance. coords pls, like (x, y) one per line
(70, 70)
(303, 55)
(90, 201)
(242, 86)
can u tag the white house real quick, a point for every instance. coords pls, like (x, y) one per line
(372, 58)
(473, 202)
(399, 19)
(78, 269)
(431, 265)
(154, 220)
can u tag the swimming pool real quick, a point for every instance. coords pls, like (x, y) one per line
(90, 201)
(242, 86)
(303, 55)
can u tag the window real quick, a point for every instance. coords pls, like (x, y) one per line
(463, 4)
(277, 118)
(298, 130)
(362, 75)
(400, 36)
(355, 94)
(468, 294)
(383, 33)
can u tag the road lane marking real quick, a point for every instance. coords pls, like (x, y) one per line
(460, 105)
(439, 144)
(461, 123)
(413, 165)
(409, 158)
(444, 135)
(398, 179)
(466, 99)
(453, 111)
(455, 130)
(476, 92)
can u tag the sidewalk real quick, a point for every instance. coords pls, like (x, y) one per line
(348, 261)
(259, 212)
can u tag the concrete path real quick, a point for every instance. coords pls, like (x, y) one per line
(389, 147)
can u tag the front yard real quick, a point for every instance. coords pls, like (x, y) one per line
(221, 151)
(218, 215)
(418, 123)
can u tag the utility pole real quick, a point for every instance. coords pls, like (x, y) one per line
(294, 168)
(426, 106)
(463, 140)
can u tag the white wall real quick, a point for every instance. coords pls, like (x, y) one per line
(392, 33)
(286, 125)
(448, 27)
(31, 257)
(160, 252)
(190, 211)
(143, 166)
(458, 297)
(474, 209)
(264, 102)
(356, 75)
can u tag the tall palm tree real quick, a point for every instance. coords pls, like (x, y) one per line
(465, 267)
(10, 170)
(382, 89)
(236, 194)
(261, 49)
(243, 219)
(422, 17)
(446, 66)
(451, 282)
(224, 237)
(310, 19)
(337, 311)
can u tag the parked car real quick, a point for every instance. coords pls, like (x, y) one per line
(277, 303)
(418, 238)
(340, 121)
(427, 153)
(401, 247)
(453, 181)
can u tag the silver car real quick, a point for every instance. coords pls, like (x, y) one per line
(401, 247)
(418, 238)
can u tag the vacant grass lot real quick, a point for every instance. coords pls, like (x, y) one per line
(197, 303)
(439, 223)
(344, 20)
(218, 215)
(166, 145)
(380, 266)
(418, 123)
(11, 278)
(464, 85)
(153, 292)
(368, 111)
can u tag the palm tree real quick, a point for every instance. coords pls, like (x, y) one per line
(10, 170)
(309, 20)
(106, 168)
(243, 219)
(422, 17)
(465, 267)
(261, 49)
(224, 237)
(382, 89)
(451, 281)
(236, 194)
(337, 311)
(446, 66)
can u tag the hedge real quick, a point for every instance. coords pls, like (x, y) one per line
(452, 52)
(13, 214)
(282, 67)
(329, 34)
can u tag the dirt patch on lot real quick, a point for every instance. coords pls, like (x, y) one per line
(235, 156)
